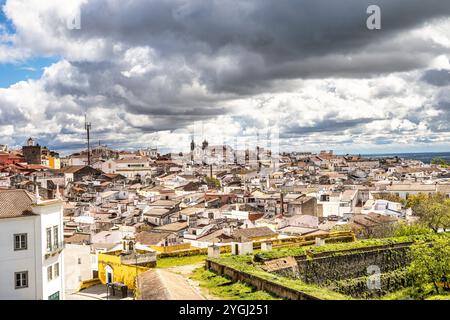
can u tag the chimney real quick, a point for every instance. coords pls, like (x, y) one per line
(58, 194)
(38, 197)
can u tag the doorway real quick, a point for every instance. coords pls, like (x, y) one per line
(109, 274)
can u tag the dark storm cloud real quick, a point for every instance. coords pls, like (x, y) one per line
(240, 48)
(439, 78)
(145, 65)
(383, 140)
(283, 30)
(328, 125)
(137, 95)
(9, 114)
(266, 40)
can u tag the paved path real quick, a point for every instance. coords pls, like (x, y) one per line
(97, 292)
(170, 283)
(186, 271)
(78, 296)
(178, 286)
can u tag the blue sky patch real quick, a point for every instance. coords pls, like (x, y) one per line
(11, 73)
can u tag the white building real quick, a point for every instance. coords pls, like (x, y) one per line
(384, 207)
(409, 189)
(31, 247)
(337, 203)
(236, 214)
(129, 167)
(77, 266)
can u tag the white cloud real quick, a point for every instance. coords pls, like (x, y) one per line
(150, 79)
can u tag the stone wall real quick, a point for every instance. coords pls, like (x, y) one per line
(340, 265)
(258, 283)
(347, 271)
(357, 287)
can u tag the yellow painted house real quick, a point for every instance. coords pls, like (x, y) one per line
(51, 162)
(54, 163)
(122, 267)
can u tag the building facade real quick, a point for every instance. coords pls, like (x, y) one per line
(31, 247)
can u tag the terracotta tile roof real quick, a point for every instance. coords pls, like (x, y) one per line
(216, 236)
(151, 238)
(71, 169)
(78, 238)
(173, 227)
(133, 160)
(254, 233)
(164, 203)
(37, 167)
(15, 203)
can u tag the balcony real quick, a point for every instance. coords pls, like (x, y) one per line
(54, 250)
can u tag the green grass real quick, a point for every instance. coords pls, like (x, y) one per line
(439, 297)
(426, 292)
(223, 288)
(179, 261)
(403, 294)
(246, 264)
(252, 266)
(298, 251)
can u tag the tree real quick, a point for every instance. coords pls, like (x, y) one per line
(433, 210)
(430, 263)
(389, 197)
(440, 162)
(341, 228)
(212, 182)
(403, 229)
(414, 200)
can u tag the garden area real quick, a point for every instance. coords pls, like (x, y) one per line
(415, 267)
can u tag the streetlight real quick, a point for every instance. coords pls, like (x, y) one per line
(137, 278)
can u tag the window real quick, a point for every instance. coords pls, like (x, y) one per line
(49, 273)
(79, 260)
(49, 239)
(20, 241)
(21, 279)
(56, 270)
(55, 236)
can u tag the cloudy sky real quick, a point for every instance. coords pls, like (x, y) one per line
(153, 72)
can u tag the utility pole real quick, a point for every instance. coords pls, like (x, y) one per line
(137, 275)
(87, 127)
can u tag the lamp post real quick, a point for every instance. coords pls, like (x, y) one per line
(137, 279)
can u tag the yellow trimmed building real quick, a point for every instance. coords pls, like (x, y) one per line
(122, 267)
